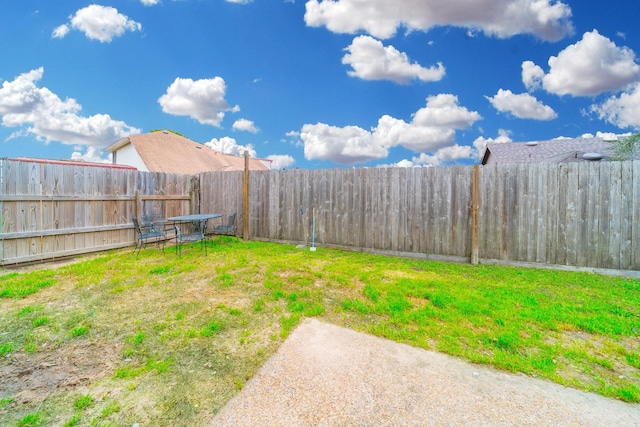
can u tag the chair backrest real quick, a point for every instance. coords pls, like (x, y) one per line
(231, 220)
(136, 224)
(152, 219)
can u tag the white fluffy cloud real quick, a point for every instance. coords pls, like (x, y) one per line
(227, 145)
(623, 110)
(532, 75)
(414, 136)
(607, 136)
(347, 145)
(101, 23)
(404, 163)
(446, 154)
(60, 31)
(245, 126)
(92, 154)
(454, 152)
(202, 100)
(522, 106)
(432, 128)
(150, 2)
(443, 111)
(280, 161)
(45, 115)
(591, 66)
(546, 19)
(371, 60)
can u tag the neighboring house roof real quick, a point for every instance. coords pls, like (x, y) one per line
(167, 152)
(554, 151)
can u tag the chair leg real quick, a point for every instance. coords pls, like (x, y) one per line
(160, 241)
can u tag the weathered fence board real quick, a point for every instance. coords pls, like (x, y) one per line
(626, 213)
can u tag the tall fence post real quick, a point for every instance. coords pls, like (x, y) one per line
(138, 204)
(194, 203)
(245, 204)
(475, 229)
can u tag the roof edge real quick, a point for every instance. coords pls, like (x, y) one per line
(118, 144)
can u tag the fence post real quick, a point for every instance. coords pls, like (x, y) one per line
(194, 203)
(475, 229)
(138, 202)
(245, 204)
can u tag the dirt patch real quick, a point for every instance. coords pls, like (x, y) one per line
(417, 302)
(33, 377)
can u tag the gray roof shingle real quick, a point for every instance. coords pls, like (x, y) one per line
(554, 151)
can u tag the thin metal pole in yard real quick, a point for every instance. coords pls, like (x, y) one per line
(313, 230)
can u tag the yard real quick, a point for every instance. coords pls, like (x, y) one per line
(115, 339)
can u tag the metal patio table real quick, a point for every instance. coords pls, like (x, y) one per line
(191, 228)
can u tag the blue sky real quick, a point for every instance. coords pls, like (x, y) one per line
(317, 83)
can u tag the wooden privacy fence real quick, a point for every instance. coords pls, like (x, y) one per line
(53, 210)
(574, 214)
(412, 210)
(584, 214)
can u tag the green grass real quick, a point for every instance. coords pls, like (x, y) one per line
(5, 401)
(112, 407)
(13, 285)
(184, 334)
(79, 331)
(6, 348)
(73, 421)
(31, 420)
(83, 402)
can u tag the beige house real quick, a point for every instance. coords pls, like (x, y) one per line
(167, 152)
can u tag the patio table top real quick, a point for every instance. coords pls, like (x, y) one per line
(195, 217)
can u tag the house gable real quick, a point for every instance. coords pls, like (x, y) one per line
(167, 152)
(127, 155)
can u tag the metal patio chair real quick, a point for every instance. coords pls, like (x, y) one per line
(146, 233)
(190, 232)
(228, 227)
(156, 222)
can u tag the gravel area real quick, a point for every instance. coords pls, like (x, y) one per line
(325, 375)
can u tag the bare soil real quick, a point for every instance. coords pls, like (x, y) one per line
(31, 378)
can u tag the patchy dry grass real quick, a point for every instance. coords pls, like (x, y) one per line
(159, 340)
